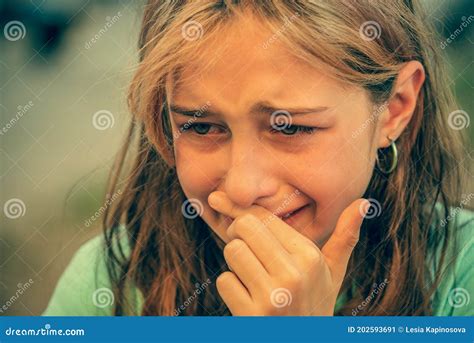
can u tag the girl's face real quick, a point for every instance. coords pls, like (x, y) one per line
(238, 138)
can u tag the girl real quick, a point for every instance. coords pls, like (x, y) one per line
(289, 158)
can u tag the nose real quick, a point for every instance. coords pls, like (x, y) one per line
(251, 174)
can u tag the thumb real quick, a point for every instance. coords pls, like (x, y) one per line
(339, 247)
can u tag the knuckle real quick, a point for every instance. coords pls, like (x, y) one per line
(243, 221)
(292, 279)
(244, 224)
(233, 247)
(223, 279)
(312, 256)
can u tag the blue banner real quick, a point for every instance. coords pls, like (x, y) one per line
(237, 329)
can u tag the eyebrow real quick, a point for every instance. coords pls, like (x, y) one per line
(260, 107)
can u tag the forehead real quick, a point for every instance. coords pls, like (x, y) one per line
(247, 61)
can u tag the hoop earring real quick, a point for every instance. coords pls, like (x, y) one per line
(394, 163)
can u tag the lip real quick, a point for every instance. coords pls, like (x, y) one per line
(294, 213)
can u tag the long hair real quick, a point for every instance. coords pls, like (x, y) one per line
(170, 254)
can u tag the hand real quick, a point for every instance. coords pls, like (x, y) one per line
(275, 270)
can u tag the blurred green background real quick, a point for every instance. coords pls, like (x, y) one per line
(63, 78)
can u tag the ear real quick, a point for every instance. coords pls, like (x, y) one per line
(402, 102)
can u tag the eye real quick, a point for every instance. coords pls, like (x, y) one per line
(293, 130)
(198, 128)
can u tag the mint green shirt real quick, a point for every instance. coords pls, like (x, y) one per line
(84, 287)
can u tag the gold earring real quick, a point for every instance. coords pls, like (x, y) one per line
(394, 158)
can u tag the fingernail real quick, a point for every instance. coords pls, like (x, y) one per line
(366, 206)
(213, 200)
(230, 233)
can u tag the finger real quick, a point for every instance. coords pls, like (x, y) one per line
(233, 292)
(262, 242)
(340, 245)
(246, 266)
(220, 202)
(288, 237)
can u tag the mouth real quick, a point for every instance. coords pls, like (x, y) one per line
(290, 216)
(287, 217)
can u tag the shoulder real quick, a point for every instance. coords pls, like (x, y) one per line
(84, 288)
(453, 295)
(83, 281)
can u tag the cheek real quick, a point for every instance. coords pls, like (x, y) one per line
(196, 171)
(334, 177)
(336, 166)
(197, 174)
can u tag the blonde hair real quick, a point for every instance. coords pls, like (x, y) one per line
(170, 253)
